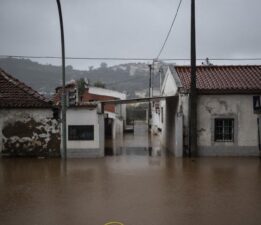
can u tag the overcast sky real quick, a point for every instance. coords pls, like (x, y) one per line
(130, 28)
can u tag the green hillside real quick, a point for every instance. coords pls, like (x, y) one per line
(129, 77)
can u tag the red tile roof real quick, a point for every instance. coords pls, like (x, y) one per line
(87, 99)
(223, 79)
(94, 97)
(15, 94)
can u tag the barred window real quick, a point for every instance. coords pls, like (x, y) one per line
(81, 132)
(224, 130)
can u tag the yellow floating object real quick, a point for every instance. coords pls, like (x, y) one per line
(114, 223)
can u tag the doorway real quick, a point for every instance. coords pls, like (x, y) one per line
(108, 129)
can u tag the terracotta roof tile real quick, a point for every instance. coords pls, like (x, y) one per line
(223, 79)
(15, 94)
(87, 98)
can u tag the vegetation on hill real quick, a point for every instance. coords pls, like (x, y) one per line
(127, 78)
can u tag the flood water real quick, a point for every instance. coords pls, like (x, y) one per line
(133, 188)
(140, 142)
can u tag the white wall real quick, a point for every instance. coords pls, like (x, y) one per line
(169, 86)
(171, 136)
(107, 92)
(156, 121)
(120, 108)
(91, 148)
(239, 107)
(117, 134)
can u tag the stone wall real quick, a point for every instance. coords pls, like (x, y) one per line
(29, 132)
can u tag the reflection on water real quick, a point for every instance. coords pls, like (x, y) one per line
(140, 142)
(134, 188)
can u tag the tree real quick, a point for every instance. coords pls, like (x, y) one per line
(99, 84)
(81, 87)
(69, 68)
(103, 65)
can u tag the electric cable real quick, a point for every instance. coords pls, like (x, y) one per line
(128, 59)
(170, 29)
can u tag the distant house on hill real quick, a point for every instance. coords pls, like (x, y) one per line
(27, 123)
(228, 111)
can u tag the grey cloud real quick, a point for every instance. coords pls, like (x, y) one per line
(123, 28)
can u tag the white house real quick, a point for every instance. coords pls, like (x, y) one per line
(85, 131)
(113, 111)
(227, 122)
(114, 115)
(106, 124)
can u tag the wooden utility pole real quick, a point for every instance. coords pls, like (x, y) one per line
(193, 89)
(64, 143)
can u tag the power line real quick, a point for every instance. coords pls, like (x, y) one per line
(213, 59)
(173, 21)
(127, 58)
(77, 58)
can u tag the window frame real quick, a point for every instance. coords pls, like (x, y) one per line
(77, 137)
(227, 130)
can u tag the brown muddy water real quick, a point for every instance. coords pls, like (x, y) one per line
(132, 188)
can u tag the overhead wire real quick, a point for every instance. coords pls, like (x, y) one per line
(77, 58)
(170, 29)
(127, 58)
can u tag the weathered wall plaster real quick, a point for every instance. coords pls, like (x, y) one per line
(238, 107)
(29, 132)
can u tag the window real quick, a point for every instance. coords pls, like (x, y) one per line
(81, 133)
(224, 130)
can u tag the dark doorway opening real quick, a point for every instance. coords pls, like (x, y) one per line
(108, 124)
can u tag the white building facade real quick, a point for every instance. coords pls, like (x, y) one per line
(85, 132)
(227, 126)
(227, 123)
(93, 126)
(120, 109)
